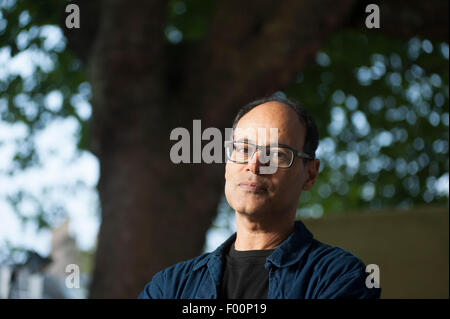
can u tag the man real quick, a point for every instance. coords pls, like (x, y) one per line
(271, 255)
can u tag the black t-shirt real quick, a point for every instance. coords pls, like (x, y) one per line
(244, 274)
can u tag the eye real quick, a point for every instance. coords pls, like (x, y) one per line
(279, 154)
(242, 149)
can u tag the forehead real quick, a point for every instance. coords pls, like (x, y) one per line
(261, 121)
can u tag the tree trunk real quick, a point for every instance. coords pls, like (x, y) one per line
(154, 213)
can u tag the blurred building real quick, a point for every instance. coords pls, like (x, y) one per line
(47, 277)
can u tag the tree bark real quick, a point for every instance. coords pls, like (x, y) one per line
(156, 213)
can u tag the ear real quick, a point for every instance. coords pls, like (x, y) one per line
(312, 169)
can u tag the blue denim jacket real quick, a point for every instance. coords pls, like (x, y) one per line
(300, 268)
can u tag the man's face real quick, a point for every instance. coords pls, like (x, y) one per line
(252, 193)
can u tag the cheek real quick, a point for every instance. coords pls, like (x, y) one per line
(231, 194)
(228, 172)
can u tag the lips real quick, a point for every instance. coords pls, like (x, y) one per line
(251, 186)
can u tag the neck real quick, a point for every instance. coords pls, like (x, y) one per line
(259, 235)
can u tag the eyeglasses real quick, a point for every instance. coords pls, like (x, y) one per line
(278, 156)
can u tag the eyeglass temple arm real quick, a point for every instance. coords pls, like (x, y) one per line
(303, 155)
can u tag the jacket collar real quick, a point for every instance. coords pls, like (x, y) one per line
(293, 248)
(216, 254)
(288, 253)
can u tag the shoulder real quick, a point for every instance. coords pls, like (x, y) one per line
(339, 273)
(185, 267)
(165, 281)
(334, 258)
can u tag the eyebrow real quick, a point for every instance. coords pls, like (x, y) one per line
(245, 140)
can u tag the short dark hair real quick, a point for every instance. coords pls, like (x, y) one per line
(312, 133)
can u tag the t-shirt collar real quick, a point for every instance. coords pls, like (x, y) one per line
(288, 253)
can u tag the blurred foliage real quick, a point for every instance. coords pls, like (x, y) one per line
(27, 32)
(382, 109)
(86, 261)
(40, 81)
(10, 254)
(188, 21)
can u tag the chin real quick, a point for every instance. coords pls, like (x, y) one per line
(248, 203)
(249, 208)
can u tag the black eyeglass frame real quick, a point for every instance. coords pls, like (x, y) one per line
(263, 147)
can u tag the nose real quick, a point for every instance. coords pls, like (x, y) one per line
(254, 163)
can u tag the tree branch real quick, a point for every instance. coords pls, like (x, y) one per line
(258, 51)
(406, 18)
